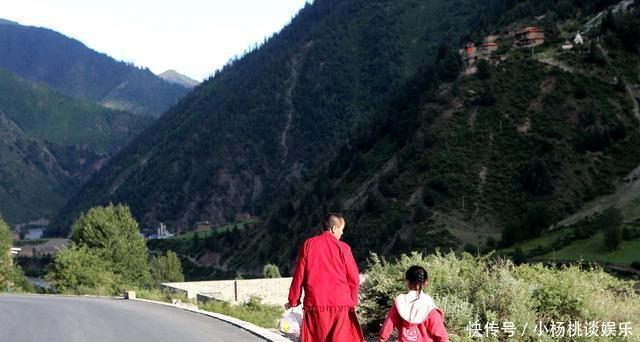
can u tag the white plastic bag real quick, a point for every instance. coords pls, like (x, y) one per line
(290, 323)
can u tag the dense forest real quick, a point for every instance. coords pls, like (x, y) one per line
(246, 137)
(361, 107)
(474, 162)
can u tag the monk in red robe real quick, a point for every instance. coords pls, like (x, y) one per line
(330, 278)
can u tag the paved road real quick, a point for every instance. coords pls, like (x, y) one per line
(80, 319)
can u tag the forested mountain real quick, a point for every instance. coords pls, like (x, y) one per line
(481, 161)
(244, 138)
(472, 162)
(362, 107)
(32, 181)
(69, 66)
(46, 115)
(173, 76)
(52, 144)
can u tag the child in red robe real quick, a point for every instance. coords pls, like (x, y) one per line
(414, 314)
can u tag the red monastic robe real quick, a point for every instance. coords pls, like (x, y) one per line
(329, 275)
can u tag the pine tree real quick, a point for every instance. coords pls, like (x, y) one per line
(195, 243)
(611, 221)
(613, 237)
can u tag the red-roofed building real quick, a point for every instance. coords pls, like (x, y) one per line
(488, 48)
(529, 37)
(242, 216)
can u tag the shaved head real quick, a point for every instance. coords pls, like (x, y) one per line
(332, 220)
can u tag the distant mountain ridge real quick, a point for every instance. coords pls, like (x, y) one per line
(69, 66)
(178, 78)
(8, 22)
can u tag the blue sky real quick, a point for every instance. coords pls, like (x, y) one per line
(194, 37)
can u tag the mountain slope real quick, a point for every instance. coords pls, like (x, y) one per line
(52, 144)
(46, 115)
(501, 155)
(173, 76)
(33, 184)
(464, 176)
(242, 139)
(69, 66)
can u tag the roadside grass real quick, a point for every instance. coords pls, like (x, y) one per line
(253, 311)
(161, 296)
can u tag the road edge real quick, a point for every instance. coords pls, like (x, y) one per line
(252, 328)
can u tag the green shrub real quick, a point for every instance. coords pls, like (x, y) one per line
(271, 271)
(106, 256)
(166, 268)
(6, 269)
(113, 234)
(79, 270)
(11, 276)
(487, 289)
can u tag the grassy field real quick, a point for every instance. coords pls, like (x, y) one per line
(593, 249)
(544, 240)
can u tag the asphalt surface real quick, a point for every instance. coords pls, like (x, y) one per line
(83, 319)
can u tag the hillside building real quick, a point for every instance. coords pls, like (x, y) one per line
(242, 216)
(492, 38)
(487, 48)
(529, 37)
(203, 226)
(471, 54)
(34, 234)
(163, 233)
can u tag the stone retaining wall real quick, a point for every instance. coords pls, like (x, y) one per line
(272, 290)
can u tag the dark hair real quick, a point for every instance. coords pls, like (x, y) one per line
(332, 219)
(417, 275)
